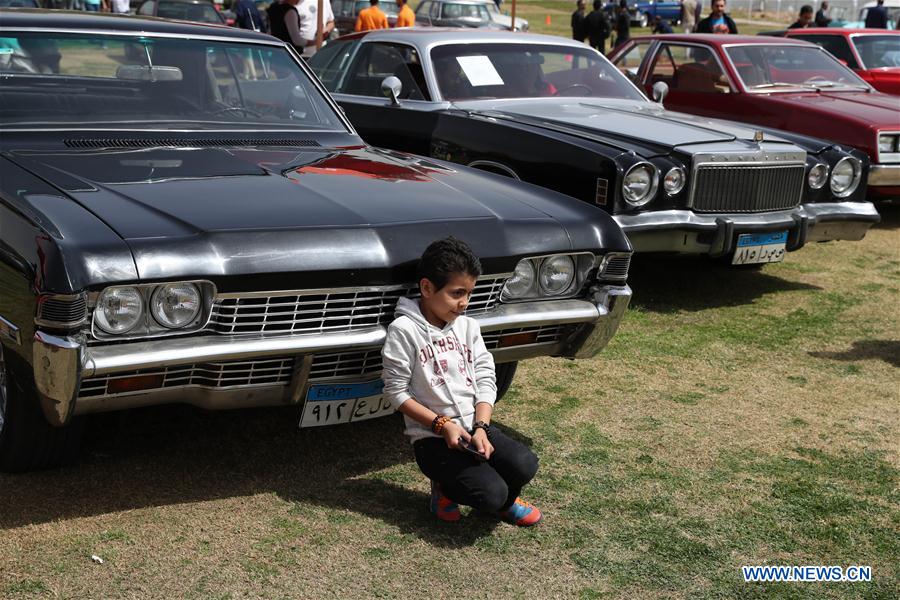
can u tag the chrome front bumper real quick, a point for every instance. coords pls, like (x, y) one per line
(716, 234)
(884, 175)
(61, 363)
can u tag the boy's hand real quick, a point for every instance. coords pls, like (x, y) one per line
(482, 443)
(452, 432)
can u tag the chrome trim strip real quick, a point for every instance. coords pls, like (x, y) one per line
(57, 364)
(10, 331)
(884, 175)
(489, 163)
(76, 30)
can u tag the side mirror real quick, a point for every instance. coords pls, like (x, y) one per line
(391, 88)
(660, 91)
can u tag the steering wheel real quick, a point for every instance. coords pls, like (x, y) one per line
(575, 86)
(240, 109)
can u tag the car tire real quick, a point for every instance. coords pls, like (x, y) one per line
(505, 374)
(27, 441)
(643, 20)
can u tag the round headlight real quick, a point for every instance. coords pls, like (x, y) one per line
(521, 282)
(674, 180)
(557, 274)
(119, 309)
(639, 184)
(175, 305)
(817, 177)
(845, 177)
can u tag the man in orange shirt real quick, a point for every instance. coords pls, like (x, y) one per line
(406, 17)
(371, 18)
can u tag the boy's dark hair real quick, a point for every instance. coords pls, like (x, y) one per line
(444, 257)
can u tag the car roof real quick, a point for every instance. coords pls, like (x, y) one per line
(844, 31)
(29, 18)
(459, 2)
(717, 39)
(449, 35)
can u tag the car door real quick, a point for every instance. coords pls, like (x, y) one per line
(697, 82)
(407, 126)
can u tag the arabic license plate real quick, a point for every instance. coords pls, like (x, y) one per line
(753, 248)
(333, 403)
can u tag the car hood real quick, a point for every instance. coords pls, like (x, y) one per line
(869, 110)
(645, 124)
(226, 211)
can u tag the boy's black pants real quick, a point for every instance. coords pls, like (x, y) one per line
(486, 485)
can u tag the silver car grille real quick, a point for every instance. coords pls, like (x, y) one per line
(318, 311)
(746, 188)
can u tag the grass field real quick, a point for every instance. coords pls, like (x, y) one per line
(737, 418)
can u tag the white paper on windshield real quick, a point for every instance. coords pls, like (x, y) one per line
(479, 70)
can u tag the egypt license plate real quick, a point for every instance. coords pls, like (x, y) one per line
(333, 403)
(755, 248)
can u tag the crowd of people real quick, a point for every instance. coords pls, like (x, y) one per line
(596, 28)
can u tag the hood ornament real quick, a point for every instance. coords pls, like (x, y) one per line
(757, 136)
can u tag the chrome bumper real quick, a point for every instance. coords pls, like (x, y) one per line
(60, 364)
(887, 175)
(715, 234)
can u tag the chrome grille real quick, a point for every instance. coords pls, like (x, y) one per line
(61, 310)
(545, 334)
(312, 311)
(616, 267)
(346, 364)
(747, 188)
(275, 371)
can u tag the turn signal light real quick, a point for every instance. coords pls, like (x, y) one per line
(517, 339)
(134, 384)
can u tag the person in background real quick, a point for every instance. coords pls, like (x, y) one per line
(717, 21)
(405, 17)
(822, 19)
(623, 23)
(596, 27)
(247, 16)
(284, 22)
(660, 25)
(688, 15)
(876, 17)
(306, 9)
(579, 31)
(371, 18)
(805, 19)
(119, 7)
(95, 5)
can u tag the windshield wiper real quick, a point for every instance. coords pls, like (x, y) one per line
(833, 84)
(779, 84)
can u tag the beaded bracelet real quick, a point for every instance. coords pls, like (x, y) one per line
(438, 424)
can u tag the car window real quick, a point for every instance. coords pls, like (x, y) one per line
(473, 71)
(692, 69)
(423, 8)
(331, 62)
(435, 10)
(379, 60)
(630, 62)
(837, 45)
(142, 81)
(147, 8)
(768, 67)
(186, 11)
(878, 51)
(342, 8)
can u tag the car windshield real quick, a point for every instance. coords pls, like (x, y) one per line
(188, 11)
(476, 71)
(388, 8)
(52, 79)
(878, 51)
(763, 67)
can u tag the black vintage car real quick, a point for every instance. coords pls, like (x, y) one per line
(201, 224)
(556, 113)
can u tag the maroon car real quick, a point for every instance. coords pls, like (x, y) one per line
(873, 54)
(779, 83)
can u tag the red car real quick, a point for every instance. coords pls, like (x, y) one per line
(873, 54)
(776, 83)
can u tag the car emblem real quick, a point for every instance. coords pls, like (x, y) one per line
(758, 136)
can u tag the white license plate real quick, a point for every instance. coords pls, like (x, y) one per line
(753, 248)
(334, 403)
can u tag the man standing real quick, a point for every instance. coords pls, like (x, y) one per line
(119, 7)
(405, 17)
(822, 19)
(596, 27)
(717, 21)
(623, 23)
(371, 18)
(284, 22)
(688, 15)
(805, 19)
(309, 22)
(579, 32)
(876, 17)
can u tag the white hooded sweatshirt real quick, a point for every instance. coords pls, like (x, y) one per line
(448, 370)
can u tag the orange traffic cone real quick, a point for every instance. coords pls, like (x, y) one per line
(547, 20)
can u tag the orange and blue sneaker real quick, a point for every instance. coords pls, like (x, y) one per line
(521, 513)
(441, 506)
